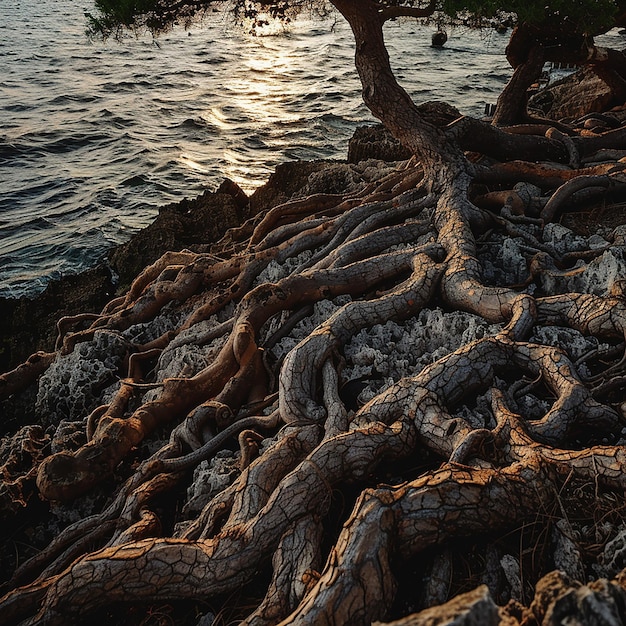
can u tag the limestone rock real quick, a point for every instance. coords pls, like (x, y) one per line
(574, 96)
(346, 177)
(601, 603)
(548, 590)
(613, 558)
(29, 324)
(20, 456)
(511, 567)
(561, 600)
(73, 385)
(375, 142)
(209, 479)
(566, 553)
(288, 179)
(181, 225)
(475, 608)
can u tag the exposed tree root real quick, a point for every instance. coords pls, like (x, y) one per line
(297, 372)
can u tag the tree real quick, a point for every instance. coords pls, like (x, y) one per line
(561, 34)
(521, 421)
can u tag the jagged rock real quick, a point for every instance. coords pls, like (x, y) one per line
(574, 96)
(597, 276)
(566, 553)
(511, 568)
(72, 386)
(577, 344)
(29, 324)
(548, 590)
(563, 239)
(375, 142)
(232, 189)
(69, 435)
(210, 478)
(185, 224)
(287, 180)
(20, 456)
(562, 600)
(346, 177)
(505, 263)
(438, 584)
(613, 558)
(475, 608)
(385, 353)
(600, 603)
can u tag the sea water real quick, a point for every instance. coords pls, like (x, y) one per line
(95, 136)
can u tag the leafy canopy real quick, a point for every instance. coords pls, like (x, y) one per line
(584, 17)
(158, 16)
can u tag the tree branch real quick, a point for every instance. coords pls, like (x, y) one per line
(388, 13)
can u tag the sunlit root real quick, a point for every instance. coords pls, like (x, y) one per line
(404, 521)
(295, 564)
(66, 475)
(222, 563)
(149, 275)
(419, 404)
(594, 315)
(24, 374)
(454, 501)
(299, 371)
(418, 350)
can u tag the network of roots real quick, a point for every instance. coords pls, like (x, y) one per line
(350, 395)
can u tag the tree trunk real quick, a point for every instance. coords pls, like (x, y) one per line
(511, 107)
(361, 382)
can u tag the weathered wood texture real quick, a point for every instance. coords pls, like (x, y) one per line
(329, 498)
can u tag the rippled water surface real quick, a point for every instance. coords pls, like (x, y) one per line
(95, 136)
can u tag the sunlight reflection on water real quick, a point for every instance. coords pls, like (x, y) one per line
(95, 136)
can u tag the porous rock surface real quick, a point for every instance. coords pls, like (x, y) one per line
(578, 94)
(374, 358)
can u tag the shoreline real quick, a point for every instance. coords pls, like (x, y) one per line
(30, 321)
(369, 352)
(196, 223)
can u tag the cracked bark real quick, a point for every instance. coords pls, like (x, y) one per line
(450, 451)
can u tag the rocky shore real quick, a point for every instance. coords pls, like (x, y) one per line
(570, 553)
(30, 322)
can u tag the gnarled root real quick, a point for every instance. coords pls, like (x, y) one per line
(398, 351)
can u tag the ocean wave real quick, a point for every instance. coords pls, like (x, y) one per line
(95, 136)
(71, 98)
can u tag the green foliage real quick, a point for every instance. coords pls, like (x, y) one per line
(114, 17)
(585, 17)
(569, 17)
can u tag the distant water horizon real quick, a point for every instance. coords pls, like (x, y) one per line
(95, 136)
